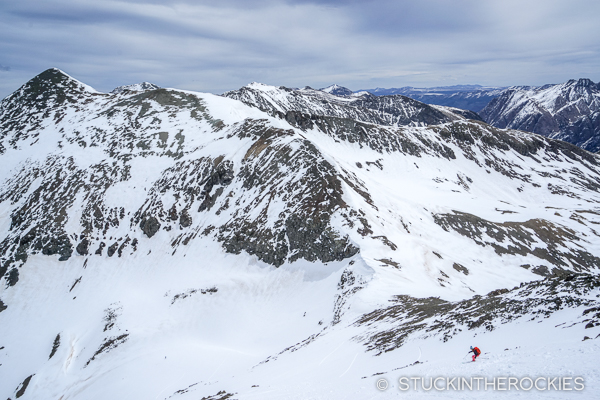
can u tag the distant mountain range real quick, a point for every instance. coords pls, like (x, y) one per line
(568, 111)
(467, 97)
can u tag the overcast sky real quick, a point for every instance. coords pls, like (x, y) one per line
(215, 46)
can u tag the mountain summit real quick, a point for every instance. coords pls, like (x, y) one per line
(51, 86)
(337, 90)
(138, 87)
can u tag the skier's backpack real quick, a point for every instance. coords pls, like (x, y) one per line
(476, 351)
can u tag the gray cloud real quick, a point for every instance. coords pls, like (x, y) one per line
(218, 46)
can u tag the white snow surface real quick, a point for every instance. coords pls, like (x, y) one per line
(200, 345)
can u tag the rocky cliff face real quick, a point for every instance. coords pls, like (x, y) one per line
(568, 111)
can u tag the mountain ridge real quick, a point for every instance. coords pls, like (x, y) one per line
(386, 110)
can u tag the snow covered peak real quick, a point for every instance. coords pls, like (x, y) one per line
(137, 87)
(584, 82)
(337, 90)
(30, 105)
(264, 86)
(258, 85)
(53, 80)
(362, 93)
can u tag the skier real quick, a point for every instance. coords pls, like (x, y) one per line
(476, 352)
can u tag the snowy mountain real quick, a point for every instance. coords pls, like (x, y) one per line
(296, 104)
(569, 111)
(466, 97)
(138, 87)
(276, 243)
(337, 90)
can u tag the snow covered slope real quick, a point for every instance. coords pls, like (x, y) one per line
(569, 111)
(160, 243)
